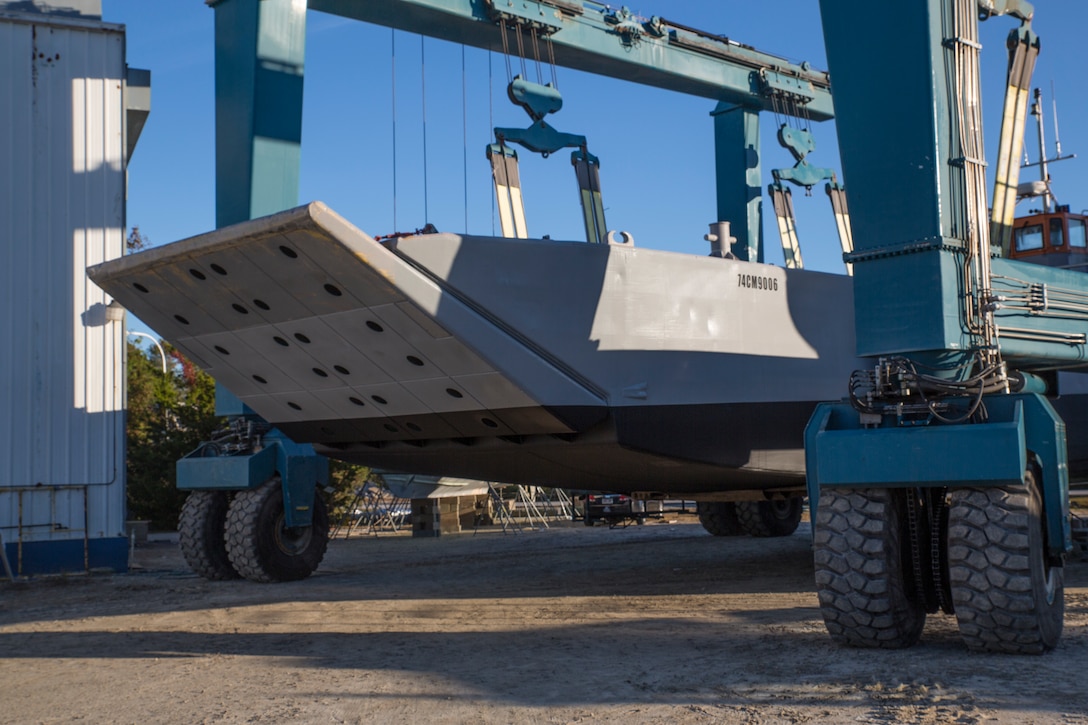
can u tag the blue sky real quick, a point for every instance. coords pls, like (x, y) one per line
(656, 147)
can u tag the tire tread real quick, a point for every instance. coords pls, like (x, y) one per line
(719, 518)
(996, 600)
(859, 573)
(201, 535)
(760, 519)
(248, 531)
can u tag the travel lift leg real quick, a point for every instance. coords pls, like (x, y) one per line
(253, 508)
(942, 484)
(739, 173)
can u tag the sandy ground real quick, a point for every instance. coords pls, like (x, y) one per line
(654, 624)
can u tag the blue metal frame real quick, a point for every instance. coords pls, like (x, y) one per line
(259, 54)
(595, 38)
(301, 472)
(1021, 430)
(740, 195)
(907, 189)
(199, 471)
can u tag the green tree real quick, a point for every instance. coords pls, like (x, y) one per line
(344, 480)
(168, 416)
(135, 241)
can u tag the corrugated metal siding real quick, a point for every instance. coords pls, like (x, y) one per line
(61, 208)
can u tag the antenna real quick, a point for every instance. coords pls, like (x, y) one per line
(1057, 137)
(1043, 162)
(1044, 174)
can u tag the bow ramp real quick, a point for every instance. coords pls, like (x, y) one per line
(332, 337)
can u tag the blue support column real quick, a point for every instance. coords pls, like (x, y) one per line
(740, 177)
(260, 48)
(904, 180)
(259, 53)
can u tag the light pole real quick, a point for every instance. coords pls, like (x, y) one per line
(162, 353)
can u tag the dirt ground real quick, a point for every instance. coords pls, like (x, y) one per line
(653, 624)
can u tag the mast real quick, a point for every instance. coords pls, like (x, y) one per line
(1037, 111)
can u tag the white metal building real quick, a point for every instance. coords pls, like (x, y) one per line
(63, 152)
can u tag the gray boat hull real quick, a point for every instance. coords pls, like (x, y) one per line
(522, 361)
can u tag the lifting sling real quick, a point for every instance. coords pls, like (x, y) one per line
(787, 225)
(587, 170)
(504, 170)
(837, 194)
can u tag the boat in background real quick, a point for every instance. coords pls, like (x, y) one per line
(411, 486)
(1052, 234)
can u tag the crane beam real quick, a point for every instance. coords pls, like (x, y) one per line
(592, 37)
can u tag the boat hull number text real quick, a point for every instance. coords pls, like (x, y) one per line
(756, 282)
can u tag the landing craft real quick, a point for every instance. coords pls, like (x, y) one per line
(524, 361)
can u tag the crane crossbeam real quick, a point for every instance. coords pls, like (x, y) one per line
(592, 37)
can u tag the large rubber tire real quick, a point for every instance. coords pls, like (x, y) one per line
(1006, 597)
(862, 568)
(262, 548)
(200, 535)
(718, 517)
(777, 517)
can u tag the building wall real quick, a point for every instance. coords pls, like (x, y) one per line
(62, 208)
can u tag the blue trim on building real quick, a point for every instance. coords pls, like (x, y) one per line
(61, 557)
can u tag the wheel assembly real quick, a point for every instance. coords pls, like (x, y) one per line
(863, 569)
(200, 534)
(718, 517)
(1006, 595)
(262, 547)
(775, 517)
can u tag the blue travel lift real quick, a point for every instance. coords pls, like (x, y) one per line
(941, 483)
(253, 510)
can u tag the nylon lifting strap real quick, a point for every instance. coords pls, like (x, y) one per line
(1023, 47)
(587, 170)
(837, 195)
(787, 225)
(504, 170)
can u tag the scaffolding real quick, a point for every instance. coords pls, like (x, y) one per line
(375, 508)
(500, 513)
(517, 507)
